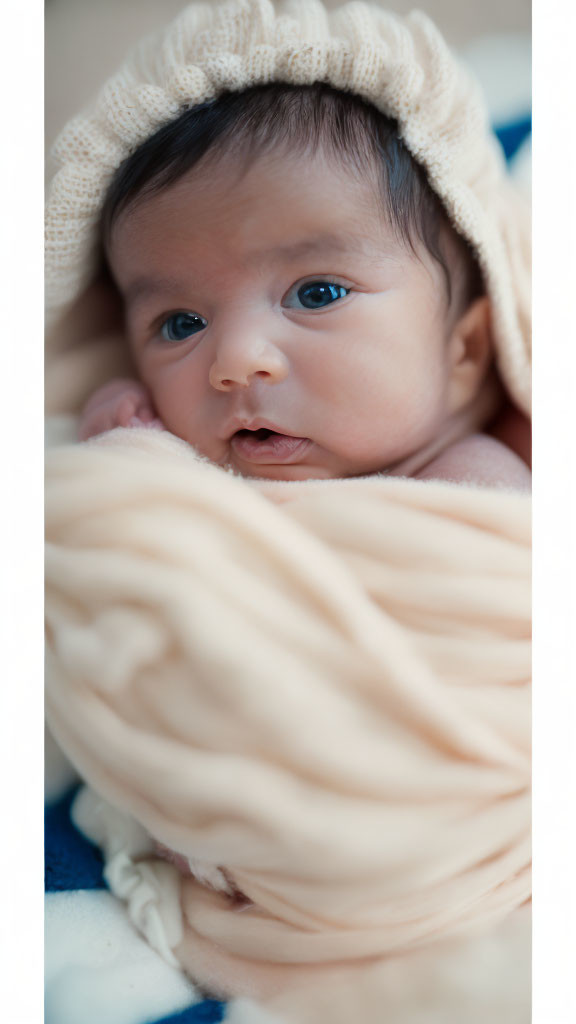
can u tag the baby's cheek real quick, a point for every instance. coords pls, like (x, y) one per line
(176, 398)
(425, 380)
(167, 402)
(416, 408)
(153, 375)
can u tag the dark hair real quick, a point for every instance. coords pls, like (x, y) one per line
(304, 119)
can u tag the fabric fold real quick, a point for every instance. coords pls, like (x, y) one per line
(256, 673)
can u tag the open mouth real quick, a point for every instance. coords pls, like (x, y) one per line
(264, 445)
(262, 434)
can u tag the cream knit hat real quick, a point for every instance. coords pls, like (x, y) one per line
(400, 65)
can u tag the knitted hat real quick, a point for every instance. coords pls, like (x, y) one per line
(400, 65)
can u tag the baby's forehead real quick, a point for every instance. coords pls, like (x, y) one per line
(291, 205)
(317, 242)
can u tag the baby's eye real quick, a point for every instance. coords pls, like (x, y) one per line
(315, 295)
(180, 326)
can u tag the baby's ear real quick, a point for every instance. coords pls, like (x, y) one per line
(470, 351)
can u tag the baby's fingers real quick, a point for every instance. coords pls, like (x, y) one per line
(145, 412)
(126, 410)
(97, 421)
(145, 416)
(152, 424)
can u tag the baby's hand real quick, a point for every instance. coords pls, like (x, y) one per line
(120, 403)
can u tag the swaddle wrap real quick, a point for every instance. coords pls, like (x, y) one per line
(316, 691)
(319, 687)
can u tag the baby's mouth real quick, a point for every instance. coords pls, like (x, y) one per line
(268, 446)
(262, 434)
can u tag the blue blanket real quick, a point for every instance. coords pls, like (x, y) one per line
(77, 895)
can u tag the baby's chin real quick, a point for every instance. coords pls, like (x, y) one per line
(279, 472)
(299, 472)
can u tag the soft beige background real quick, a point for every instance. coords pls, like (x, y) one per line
(86, 40)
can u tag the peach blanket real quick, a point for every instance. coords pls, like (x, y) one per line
(320, 692)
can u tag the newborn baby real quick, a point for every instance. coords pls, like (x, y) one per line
(297, 304)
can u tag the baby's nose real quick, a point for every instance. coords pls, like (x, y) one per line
(240, 360)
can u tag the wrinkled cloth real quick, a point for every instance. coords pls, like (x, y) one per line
(320, 687)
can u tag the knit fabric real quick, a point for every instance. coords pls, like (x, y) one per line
(400, 65)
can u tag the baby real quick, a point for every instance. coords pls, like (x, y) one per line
(297, 303)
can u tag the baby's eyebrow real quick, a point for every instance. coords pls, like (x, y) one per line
(352, 245)
(142, 287)
(319, 243)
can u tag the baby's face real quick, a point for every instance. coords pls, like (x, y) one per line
(283, 302)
